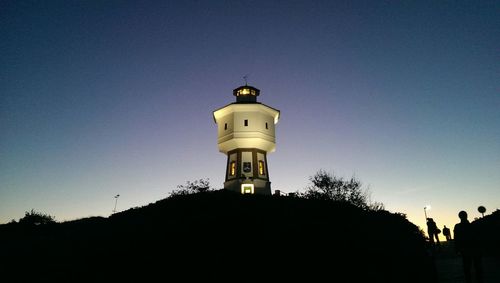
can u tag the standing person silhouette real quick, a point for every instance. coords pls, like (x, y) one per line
(446, 233)
(432, 230)
(466, 243)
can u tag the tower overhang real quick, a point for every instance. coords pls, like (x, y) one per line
(240, 107)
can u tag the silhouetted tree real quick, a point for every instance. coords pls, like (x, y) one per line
(36, 218)
(330, 187)
(197, 186)
(481, 210)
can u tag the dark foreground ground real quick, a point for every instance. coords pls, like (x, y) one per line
(223, 237)
(450, 270)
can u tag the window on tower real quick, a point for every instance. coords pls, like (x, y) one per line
(261, 168)
(225, 126)
(232, 168)
(246, 123)
(266, 126)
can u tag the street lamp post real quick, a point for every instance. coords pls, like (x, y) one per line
(116, 201)
(425, 211)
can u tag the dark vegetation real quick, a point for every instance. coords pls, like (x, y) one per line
(192, 187)
(36, 218)
(488, 228)
(222, 236)
(327, 186)
(329, 233)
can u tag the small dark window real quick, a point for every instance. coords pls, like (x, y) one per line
(225, 126)
(246, 123)
(266, 126)
(247, 167)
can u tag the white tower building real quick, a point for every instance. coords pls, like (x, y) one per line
(246, 134)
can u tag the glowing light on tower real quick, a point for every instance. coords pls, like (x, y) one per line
(246, 134)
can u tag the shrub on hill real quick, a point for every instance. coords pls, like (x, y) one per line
(36, 218)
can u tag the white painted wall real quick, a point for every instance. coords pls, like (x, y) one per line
(255, 135)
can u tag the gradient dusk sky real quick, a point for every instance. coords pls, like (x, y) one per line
(99, 98)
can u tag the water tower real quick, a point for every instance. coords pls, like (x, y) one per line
(246, 134)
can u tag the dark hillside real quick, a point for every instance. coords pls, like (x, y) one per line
(489, 230)
(221, 236)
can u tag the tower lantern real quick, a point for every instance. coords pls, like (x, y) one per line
(246, 133)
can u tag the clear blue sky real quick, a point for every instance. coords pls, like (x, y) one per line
(99, 98)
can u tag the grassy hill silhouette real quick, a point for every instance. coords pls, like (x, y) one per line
(222, 236)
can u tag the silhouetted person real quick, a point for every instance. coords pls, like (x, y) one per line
(466, 243)
(432, 230)
(446, 233)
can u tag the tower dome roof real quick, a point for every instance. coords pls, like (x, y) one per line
(246, 93)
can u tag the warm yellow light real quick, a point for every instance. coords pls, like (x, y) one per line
(247, 189)
(244, 91)
(261, 167)
(233, 168)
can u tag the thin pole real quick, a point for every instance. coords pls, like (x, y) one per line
(425, 213)
(116, 201)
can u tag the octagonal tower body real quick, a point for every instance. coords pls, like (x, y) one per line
(246, 133)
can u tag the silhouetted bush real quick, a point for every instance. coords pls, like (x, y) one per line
(327, 186)
(36, 218)
(194, 187)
